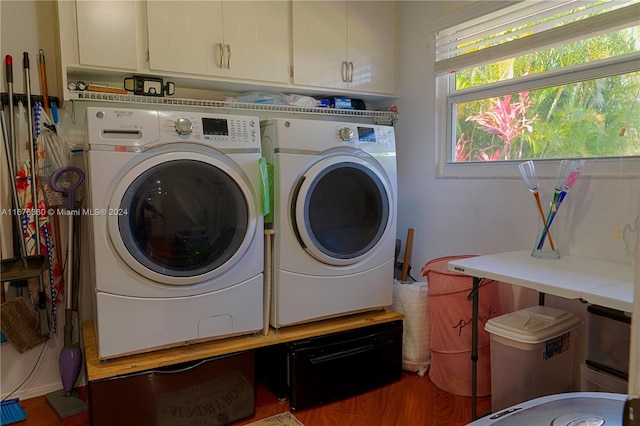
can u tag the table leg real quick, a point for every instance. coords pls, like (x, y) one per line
(475, 295)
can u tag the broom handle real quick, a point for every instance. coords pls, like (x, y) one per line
(32, 152)
(14, 191)
(43, 81)
(12, 125)
(407, 255)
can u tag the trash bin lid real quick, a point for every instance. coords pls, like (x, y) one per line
(533, 325)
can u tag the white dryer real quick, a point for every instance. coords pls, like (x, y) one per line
(176, 227)
(335, 192)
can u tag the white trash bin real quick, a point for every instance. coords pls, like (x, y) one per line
(531, 354)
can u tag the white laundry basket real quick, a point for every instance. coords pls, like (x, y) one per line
(531, 354)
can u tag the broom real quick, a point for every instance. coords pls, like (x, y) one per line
(11, 412)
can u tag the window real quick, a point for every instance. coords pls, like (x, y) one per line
(541, 80)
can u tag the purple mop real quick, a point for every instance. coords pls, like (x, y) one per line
(70, 359)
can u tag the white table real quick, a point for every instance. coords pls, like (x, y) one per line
(600, 282)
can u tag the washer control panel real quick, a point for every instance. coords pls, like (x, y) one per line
(215, 128)
(139, 129)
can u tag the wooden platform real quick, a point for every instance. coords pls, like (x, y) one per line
(97, 370)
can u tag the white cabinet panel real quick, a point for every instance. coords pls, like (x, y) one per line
(238, 39)
(258, 34)
(107, 33)
(185, 36)
(372, 46)
(345, 44)
(320, 43)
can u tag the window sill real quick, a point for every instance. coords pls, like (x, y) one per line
(609, 168)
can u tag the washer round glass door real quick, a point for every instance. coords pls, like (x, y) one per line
(341, 209)
(187, 219)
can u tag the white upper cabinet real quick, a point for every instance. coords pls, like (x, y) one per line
(345, 45)
(372, 46)
(320, 43)
(107, 34)
(238, 39)
(309, 46)
(185, 36)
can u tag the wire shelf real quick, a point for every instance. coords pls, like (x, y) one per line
(203, 103)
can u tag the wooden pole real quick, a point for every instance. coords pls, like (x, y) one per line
(407, 255)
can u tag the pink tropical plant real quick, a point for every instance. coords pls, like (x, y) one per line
(462, 154)
(461, 149)
(482, 155)
(506, 120)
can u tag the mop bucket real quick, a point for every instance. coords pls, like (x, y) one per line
(451, 314)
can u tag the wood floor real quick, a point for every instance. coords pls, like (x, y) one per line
(412, 401)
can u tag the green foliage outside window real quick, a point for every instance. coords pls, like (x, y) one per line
(593, 118)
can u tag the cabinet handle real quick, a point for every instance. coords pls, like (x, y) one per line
(344, 71)
(228, 56)
(351, 72)
(221, 55)
(342, 354)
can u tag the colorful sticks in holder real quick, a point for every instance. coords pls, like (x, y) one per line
(567, 174)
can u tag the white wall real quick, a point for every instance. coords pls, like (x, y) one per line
(28, 26)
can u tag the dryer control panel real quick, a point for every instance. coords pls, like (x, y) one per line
(363, 135)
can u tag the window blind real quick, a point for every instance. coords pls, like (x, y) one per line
(528, 26)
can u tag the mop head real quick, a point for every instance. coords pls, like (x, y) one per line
(20, 324)
(11, 412)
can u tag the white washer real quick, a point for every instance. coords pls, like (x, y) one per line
(335, 189)
(176, 227)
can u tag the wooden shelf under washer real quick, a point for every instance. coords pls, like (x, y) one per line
(97, 370)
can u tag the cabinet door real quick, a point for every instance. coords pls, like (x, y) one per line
(107, 34)
(372, 44)
(319, 43)
(185, 36)
(257, 37)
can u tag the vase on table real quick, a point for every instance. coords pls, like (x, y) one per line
(546, 243)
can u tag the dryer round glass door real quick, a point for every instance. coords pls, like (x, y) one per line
(186, 220)
(342, 209)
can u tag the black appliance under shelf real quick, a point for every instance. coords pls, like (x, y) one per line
(324, 369)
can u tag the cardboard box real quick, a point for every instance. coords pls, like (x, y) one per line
(210, 392)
